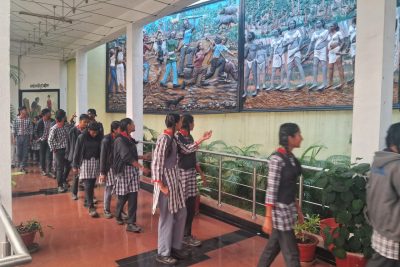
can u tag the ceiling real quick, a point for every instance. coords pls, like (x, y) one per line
(84, 23)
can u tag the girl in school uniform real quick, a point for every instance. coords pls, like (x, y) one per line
(87, 161)
(168, 191)
(188, 169)
(126, 169)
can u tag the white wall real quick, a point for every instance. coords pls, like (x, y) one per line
(34, 71)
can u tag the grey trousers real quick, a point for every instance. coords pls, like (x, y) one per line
(107, 197)
(281, 240)
(377, 260)
(22, 149)
(170, 227)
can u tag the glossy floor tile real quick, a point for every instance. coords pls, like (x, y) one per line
(72, 238)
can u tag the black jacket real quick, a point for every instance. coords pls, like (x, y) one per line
(106, 154)
(39, 130)
(289, 176)
(71, 142)
(186, 161)
(124, 153)
(82, 148)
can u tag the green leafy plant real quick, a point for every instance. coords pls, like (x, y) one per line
(30, 226)
(310, 225)
(344, 192)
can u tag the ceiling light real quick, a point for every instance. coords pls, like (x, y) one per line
(63, 19)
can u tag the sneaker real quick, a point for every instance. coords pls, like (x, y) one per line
(168, 260)
(124, 216)
(133, 228)
(23, 170)
(93, 213)
(191, 241)
(50, 174)
(119, 221)
(44, 173)
(60, 189)
(179, 254)
(107, 214)
(74, 196)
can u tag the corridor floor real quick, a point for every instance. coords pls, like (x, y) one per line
(73, 238)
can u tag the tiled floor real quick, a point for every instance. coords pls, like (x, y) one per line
(72, 238)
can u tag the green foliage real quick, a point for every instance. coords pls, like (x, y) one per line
(344, 192)
(30, 226)
(15, 74)
(310, 225)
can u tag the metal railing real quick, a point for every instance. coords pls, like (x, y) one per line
(19, 254)
(254, 174)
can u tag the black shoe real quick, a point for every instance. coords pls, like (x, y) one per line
(107, 214)
(179, 254)
(119, 221)
(176, 86)
(74, 196)
(133, 228)
(93, 213)
(168, 260)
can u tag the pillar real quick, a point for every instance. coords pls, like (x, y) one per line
(373, 88)
(81, 82)
(134, 79)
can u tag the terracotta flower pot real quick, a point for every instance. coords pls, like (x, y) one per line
(28, 238)
(352, 260)
(307, 250)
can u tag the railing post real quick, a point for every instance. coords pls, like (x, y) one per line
(301, 191)
(220, 182)
(253, 214)
(5, 249)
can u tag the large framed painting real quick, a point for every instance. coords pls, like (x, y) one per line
(191, 60)
(116, 75)
(300, 55)
(36, 100)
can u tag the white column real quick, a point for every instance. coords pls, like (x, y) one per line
(134, 79)
(5, 144)
(63, 87)
(81, 83)
(373, 89)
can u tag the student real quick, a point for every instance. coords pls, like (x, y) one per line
(72, 138)
(42, 131)
(171, 200)
(22, 130)
(126, 168)
(58, 138)
(35, 144)
(92, 117)
(280, 201)
(188, 169)
(106, 162)
(87, 161)
(383, 206)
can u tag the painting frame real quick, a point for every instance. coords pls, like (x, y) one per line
(31, 95)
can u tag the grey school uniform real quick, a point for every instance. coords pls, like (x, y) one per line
(164, 168)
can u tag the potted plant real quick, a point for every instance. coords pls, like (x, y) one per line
(344, 192)
(28, 230)
(306, 241)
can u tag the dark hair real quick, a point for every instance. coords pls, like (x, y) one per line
(252, 36)
(94, 126)
(92, 111)
(114, 126)
(60, 115)
(322, 22)
(170, 121)
(187, 119)
(335, 25)
(45, 111)
(83, 117)
(123, 124)
(286, 130)
(21, 109)
(393, 136)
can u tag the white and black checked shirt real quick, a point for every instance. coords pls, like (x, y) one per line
(22, 127)
(189, 182)
(127, 181)
(46, 130)
(58, 137)
(176, 198)
(283, 215)
(90, 169)
(384, 246)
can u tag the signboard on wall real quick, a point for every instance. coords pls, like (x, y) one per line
(300, 54)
